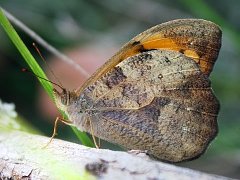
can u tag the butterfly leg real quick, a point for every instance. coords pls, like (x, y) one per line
(141, 153)
(67, 122)
(92, 133)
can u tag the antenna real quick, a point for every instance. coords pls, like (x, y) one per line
(49, 68)
(35, 75)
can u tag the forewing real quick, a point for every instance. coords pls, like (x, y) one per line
(196, 38)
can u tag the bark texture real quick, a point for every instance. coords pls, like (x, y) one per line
(22, 156)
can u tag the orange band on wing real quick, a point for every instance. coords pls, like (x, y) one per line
(160, 43)
(198, 39)
(192, 54)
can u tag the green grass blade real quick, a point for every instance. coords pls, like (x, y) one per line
(35, 68)
(25, 53)
(83, 137)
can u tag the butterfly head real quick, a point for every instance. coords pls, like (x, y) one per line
(64, 98)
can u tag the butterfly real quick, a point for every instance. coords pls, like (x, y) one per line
(154, 94)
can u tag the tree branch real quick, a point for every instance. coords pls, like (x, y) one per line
(22, 156)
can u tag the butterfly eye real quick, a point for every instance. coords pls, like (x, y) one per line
(65, 96)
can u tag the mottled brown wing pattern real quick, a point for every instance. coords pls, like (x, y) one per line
(196, 38)
(158, 101)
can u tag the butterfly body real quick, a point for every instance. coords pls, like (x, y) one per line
(150, 98)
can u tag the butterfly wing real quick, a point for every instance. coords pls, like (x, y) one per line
(159, 101)
(195, 38)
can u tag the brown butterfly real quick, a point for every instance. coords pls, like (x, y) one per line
(154, 94)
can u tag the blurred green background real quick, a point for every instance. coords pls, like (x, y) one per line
(97, 29)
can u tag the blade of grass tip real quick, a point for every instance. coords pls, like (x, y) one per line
(25, 53)
(36, 68)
